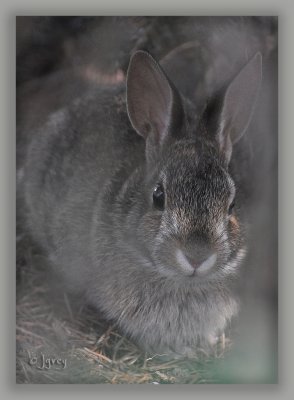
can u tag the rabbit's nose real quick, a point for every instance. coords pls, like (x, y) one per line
(202, 262)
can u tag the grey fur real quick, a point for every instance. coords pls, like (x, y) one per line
(88, 193)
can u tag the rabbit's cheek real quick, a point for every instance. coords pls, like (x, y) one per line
(233, 265)
(147, 232)
(221, 240)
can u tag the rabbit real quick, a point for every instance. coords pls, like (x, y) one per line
(130, 194)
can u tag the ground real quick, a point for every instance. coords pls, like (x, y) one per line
(52, 324)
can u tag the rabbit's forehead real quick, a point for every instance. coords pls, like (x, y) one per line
(202, 179)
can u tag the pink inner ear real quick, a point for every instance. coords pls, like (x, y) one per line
(158, 99)
(240, 99)
(149, 98)
(160, 125)
(225, 143)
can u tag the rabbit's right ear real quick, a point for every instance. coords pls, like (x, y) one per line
(153, 104)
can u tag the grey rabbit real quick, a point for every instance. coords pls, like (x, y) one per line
(129, 193)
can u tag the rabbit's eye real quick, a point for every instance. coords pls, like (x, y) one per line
(158, 197)
(232, 205)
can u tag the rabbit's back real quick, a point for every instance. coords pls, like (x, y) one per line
(68, 163)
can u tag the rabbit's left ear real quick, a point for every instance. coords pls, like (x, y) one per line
(238, 104)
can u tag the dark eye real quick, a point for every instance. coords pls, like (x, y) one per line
(232, 205)
(158, 197)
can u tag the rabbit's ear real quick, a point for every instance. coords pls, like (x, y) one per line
(238, 104)
(154, 107)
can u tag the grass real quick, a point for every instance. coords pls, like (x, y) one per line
(51, 323)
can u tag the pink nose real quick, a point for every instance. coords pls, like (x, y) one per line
(196, 262)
